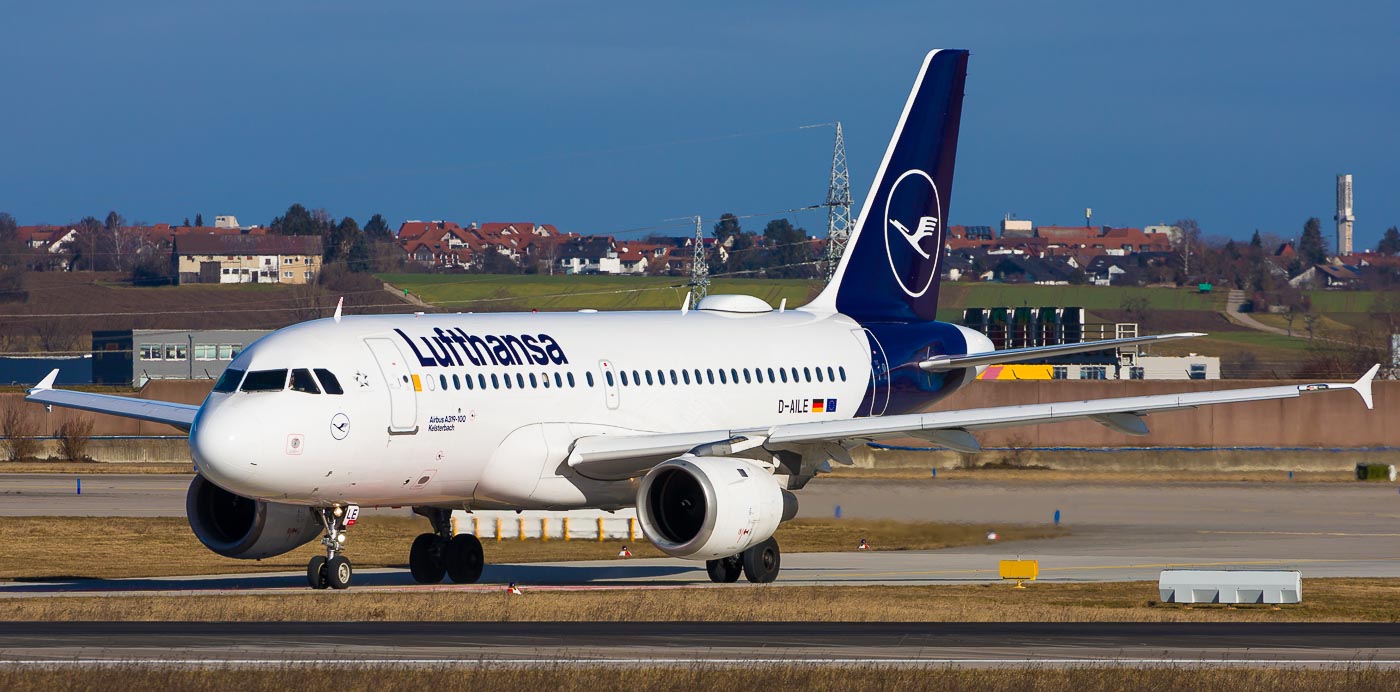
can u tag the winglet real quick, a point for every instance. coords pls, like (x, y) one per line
(685, 306)
(47, 382)
(1363, 385)
(338, 305)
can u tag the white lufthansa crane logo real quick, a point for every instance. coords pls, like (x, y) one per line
(928, 226)
(913, 212)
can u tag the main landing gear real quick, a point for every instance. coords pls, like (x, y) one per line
(760, 564)
(333, 569)
(440, 553)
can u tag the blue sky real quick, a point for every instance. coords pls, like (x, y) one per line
(600, 117)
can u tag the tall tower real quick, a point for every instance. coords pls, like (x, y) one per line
(838, 206)
(699, 267)
(1344, 216)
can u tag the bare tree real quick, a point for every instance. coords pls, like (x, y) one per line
(73, 438)
(21, 431)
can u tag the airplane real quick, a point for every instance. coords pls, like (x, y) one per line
(706, 420)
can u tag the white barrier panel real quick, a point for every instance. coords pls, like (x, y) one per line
(575, 525)
(1230, 586)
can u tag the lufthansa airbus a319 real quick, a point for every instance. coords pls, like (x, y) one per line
(705, 420)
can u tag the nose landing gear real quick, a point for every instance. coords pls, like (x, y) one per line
(440, 553)
(333, 570)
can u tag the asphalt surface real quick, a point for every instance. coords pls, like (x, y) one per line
(1120, 531)
(652, 643)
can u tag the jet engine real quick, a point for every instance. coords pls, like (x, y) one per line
(706, 508)
(236, 526)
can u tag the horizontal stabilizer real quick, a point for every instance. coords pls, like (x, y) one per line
(1021, 355)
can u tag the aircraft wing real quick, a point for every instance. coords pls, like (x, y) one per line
(1020, 355)
(178, 415)
(610, 457)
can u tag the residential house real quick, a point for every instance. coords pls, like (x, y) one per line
(230, 258)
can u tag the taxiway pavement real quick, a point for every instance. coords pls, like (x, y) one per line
(658, 643)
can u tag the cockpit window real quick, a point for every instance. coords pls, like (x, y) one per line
(265, 381)
(228, 382)
(303, 382)
(328, 381)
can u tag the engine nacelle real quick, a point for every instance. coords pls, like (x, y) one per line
(705, 508)
(236, 526)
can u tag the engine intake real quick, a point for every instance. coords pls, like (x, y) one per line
(241, 527)
(704, 508)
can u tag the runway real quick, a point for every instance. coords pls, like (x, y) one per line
(1126, 531)
(1120, 532)
(639, 643)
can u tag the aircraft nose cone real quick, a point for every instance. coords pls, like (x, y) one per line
(221, 450)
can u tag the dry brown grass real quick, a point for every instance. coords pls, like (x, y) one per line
(1008, 475)
(33, 547)
(89, 468)
(1327, 600)
(654, 679)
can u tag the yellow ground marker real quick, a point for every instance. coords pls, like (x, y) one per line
(1020, 570)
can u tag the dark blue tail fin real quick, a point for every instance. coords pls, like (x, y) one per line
(889, 272)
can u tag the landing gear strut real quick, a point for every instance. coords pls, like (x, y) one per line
(441, 553)
(725, 570)
(333, 570)
(760, 564)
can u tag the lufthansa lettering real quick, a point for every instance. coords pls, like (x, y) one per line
(454, 347)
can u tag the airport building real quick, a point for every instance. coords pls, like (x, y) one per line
(131, 357)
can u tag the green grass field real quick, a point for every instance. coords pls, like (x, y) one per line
(961, 295)
(1170, 309)
(497, 293)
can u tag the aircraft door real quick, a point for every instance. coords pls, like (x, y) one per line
(605, 368)
(402, 386)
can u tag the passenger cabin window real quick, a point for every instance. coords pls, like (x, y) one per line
(265, 381)
(328, 381)
(228, 382)
(302, 381)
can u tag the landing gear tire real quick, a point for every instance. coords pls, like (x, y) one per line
(339, 572)
(316, 572)
(464, 559)
(425, 559)
(725, 570)
(761, 562)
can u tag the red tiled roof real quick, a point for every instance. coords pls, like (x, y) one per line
(217, 244)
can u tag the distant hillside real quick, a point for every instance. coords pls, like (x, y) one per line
(62, 308)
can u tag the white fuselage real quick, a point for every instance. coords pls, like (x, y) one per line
(416, 426)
